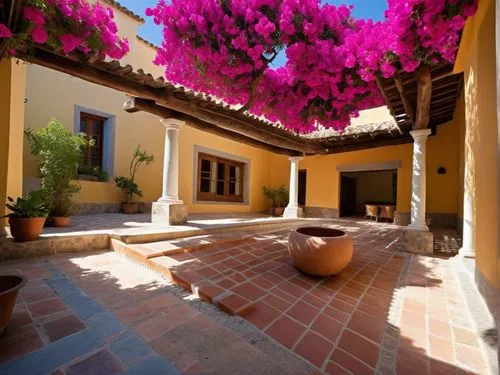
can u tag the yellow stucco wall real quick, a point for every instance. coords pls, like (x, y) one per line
(477, 59)
(323, 179)
(12, 78)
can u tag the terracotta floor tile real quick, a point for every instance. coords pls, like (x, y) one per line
(292, 289)
(465, 336)
(342, 306)
(412, 362)
(249, 290)
(36, 293)
(327, 327)
(303, 312)
(133, 313)
(338, 315)
(233, 304)
(441, 349)
(277, 302)
(286, 331)
(226, 283)
(102, 362)
(359, 347)
(334, 369)
(46, 307)
(314, 348)
(314, 301)
(162, 301)
(368, 326)
(22, 343)
(413, 320)
(442, 368)
(263, 283)
(347, 361)
(471, 357)
(208, 292)
(19, 319)
(62, 327)
(440, 328)
(262, 315)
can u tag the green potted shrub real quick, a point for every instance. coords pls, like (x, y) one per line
(278, 198)
(128, 185)
(59, 152)
(28, 216)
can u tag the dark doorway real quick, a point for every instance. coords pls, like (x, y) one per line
(302, 187)
(358, 189)
(347, 196)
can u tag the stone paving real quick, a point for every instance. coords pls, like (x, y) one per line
(389, 312)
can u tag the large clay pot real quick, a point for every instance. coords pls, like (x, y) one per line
(26, 229)
(320, 251)
(130, 208)
(61, 221)
(278, 211)
(9, 287)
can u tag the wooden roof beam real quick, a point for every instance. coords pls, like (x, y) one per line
(406, 103)
(134, 105)
(424, 94)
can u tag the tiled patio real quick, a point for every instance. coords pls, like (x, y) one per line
(389, 312)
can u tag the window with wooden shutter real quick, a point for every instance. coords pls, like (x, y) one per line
(220, 179)
(93, 126)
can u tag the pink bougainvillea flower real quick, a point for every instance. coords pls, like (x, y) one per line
(39, 35)
(5, 31)
(34, 15)
(69, 42)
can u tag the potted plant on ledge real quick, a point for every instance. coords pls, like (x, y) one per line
(278, 198)
(27, 217)
(128, 185)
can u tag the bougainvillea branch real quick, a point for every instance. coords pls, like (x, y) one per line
(223, 48)
(74, 27)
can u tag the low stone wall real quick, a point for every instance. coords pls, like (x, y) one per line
(321, 212)
(105, 208)
(9, 249)
(436, 220)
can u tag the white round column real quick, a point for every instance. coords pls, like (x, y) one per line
(418, 196)
(293, 210)
(170, 193)
(468, 249)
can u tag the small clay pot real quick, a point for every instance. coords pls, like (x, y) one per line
(320, 251)
(278, 211)
(26, 229)
(61, 221)
(130, 208)
(9, 288)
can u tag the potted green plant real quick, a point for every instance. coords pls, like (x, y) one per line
(28, 216)
(59, 152)
(128, 185)
(278, 198)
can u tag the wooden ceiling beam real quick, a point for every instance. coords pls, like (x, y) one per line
(263, 133)
(406, 103)
(134, 105)
(424, 93)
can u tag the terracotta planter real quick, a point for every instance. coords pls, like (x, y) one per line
(130, 208)
(9, 287)
(61, 221)
(26, 229)
(320, 251)
(278, 211)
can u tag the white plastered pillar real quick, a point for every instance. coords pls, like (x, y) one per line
(418, 196)
(293, 210)
(169, 209)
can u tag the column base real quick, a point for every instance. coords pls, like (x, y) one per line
(467, 253)
(418, 242)
(293, 212)
(418, 228)
(170, 200)
(169, 213)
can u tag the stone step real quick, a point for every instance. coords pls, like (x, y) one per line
(177, 261)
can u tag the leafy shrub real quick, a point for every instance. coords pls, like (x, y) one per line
(32, 205)
(59, 151)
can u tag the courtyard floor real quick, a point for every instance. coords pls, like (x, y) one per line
(389, 312)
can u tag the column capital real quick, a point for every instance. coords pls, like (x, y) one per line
(295, 158)
(420, 135)
(172, 123)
